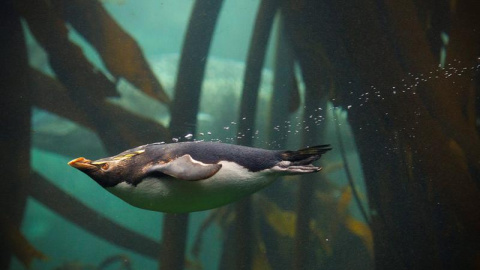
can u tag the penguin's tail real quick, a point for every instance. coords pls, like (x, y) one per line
(306, 155)
(300, 161)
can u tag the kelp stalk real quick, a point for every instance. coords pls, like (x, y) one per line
(343, 153)
(444, 190)
(303, 258)
(85, 85)
(192, 67)
(314, 72)
(93, 22)
(50, 95)
(184, 112)
(253, 70)
(283, 86)
(248, 107)
(76, 212)
(428, 208)
(14, 120)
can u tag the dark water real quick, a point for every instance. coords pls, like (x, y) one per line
(380, 191)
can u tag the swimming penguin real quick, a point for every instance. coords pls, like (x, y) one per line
(194, 176)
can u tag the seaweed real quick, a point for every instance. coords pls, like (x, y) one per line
(192, 67)
(442, 123)
(79, 93)
(16, 105)
(51, 95)
(302, 259)
(84, 84)
(244, 237)
(329, 230)
(92, 21)
(349, 173)
(285, 86)
(184, 112)
(99, 225)
(13, 239)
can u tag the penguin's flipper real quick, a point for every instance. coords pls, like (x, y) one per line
(186, 168)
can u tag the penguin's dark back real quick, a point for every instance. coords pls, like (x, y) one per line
(254, 159)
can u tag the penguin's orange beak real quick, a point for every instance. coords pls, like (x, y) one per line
(82, 163)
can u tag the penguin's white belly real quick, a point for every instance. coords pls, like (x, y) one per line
(229, 184)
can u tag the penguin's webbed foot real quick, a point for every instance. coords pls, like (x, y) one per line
(296, 169)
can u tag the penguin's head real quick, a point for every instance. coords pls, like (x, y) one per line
(109, 171)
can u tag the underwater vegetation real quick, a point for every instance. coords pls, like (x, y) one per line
(13, 239)
(123, 260)
(392, 85)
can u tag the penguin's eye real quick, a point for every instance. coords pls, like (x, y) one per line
(105, 166)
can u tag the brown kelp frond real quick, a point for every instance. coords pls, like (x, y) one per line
(356, 227)
(282, 221)
(66, 58)
(362, 231)
(332, 167)
(76, 212)
(14, 240)
(324, 241)
(260, 259)
(294, 95)
(344, 201)
(193, 264)
(329, 230)
(120, 52)
(49, 94)
(84, 84)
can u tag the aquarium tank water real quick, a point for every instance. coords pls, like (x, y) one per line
(386, 92)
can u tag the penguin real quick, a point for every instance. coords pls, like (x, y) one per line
(186, 177)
